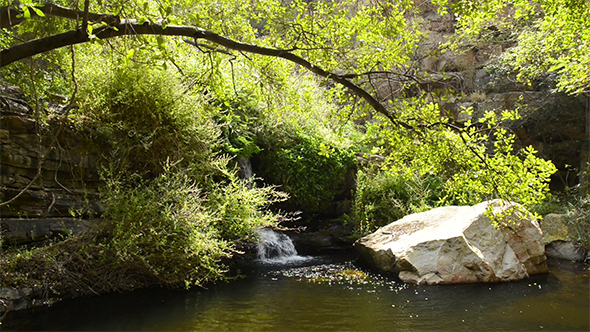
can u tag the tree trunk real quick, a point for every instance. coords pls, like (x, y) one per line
(585, 155)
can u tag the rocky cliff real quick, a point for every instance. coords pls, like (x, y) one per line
(49, 175)
(555, 124)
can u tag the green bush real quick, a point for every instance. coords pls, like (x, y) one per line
(163, 229)
(289, 130)
(142, 119)
(166, 231)
(175, 209)
(174, 233)
(238, 118)
(307, 168)
(383, 197)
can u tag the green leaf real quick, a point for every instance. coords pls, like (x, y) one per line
(38, 12)
(26, 13)
(161, 43)
(130, 54)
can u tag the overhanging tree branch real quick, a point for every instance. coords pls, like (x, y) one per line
(132, 27)
(11, 16)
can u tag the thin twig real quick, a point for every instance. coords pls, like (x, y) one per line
(5, 310)
(51, 204)
(210, 48)
(233, 77)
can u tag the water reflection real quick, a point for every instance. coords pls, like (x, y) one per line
(328, 296)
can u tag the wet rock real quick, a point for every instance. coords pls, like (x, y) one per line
(15, 299)
(457, 244)
(565, 250)
(334, 238)
(10, 294)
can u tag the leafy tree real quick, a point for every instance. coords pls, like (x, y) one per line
(550, 35)
(549, 40)
(311, 32)
(345, 41)
(178, 86)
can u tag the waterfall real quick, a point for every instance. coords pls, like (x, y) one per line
(277, 248)
(245, 167)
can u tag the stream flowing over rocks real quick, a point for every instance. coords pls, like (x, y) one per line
(457, 244)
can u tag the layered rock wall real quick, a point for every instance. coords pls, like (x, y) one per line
(56, 166)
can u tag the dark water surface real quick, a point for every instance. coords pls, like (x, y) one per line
(330, 295)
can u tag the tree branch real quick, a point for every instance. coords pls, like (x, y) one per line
(131, 27)
(85, 17)
(8, 15)
(210, 48)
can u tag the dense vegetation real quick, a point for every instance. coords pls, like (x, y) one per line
(173, 120)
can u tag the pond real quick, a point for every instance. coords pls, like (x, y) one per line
(327, 294)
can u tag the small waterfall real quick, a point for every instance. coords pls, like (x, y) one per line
(277, 248)
(245, 167)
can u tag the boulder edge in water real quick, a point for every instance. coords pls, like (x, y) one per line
(457, 244)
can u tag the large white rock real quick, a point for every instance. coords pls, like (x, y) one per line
(457, 244)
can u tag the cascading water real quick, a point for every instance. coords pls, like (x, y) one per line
(245, 168)
(277, 248)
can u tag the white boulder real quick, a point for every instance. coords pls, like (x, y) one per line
(457, 244)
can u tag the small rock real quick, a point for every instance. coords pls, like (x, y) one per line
(558, 240)
(565, 250)
(10, 294)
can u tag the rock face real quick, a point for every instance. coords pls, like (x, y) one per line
(553, 123)
(335, 238)
(20, 230)
(457, 244)
(66, 183)
(558, 240)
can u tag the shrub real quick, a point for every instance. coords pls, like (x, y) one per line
(307, 168)
(166, 231)
(382, 197)
(175, 209)
(142, 118)
(163, 229)
(176, 233)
